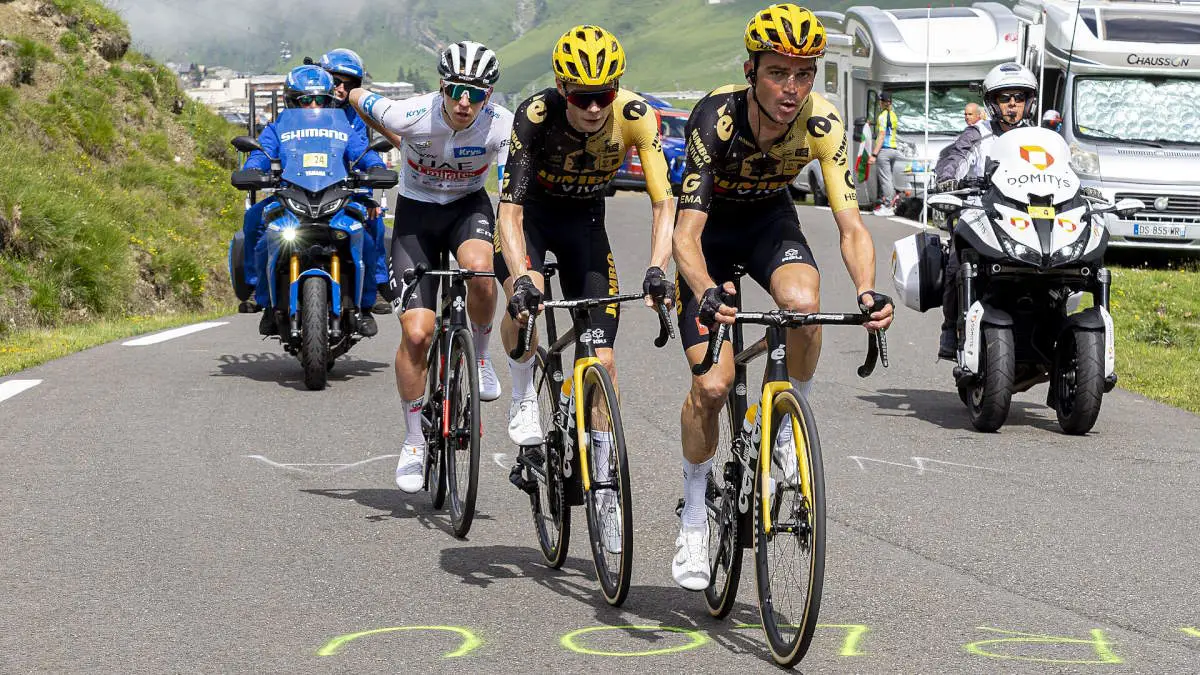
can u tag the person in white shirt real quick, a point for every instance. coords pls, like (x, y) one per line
(447, 139)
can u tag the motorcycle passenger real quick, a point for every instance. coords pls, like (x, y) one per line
(348, 71)
(307, 87)
(1010, 94)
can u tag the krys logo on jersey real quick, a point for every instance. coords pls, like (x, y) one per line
(469, 151)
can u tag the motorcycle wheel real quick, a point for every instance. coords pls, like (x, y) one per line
(314, 339)
(1079, 380)
(988, 399)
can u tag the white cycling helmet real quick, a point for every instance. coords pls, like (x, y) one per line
(469, 63)
(1010, 76)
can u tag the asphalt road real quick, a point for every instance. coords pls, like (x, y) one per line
(188, 506)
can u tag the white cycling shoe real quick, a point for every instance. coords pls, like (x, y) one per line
(524, 422)
(690, 565)
(410, 470)
(489, 383)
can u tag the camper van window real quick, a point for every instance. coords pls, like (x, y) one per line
(945, 108)
(1130, 27)
(862, 47)
(1138, 108)
(831, 78)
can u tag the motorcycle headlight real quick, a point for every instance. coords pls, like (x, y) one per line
(1070, 252)
(333, 206)
(288, 234)
(1084, 161)
(297, 208)
(1019, 251)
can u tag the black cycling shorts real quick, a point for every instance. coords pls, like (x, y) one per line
(575, 233)
(760, 237)
(424, 230)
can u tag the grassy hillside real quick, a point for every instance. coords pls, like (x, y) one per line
(114, 188)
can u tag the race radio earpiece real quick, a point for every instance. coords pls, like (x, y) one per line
(752, 75)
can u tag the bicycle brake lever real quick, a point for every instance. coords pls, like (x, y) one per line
(665, 330)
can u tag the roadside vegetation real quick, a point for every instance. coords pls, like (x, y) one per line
(115, 203)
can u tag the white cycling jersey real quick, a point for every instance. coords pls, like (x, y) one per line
(441, 164)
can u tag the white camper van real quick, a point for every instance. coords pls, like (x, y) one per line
(1126, 78)
(872, 50)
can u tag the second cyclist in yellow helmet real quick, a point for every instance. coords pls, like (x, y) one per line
(567, 143)
(745, 144)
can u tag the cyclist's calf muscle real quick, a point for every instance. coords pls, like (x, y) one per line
(698, 420)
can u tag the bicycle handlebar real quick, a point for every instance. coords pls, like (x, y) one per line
(876, 341)
(414, 274)
(525, 333)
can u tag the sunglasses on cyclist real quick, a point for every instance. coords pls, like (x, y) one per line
(585, 99)
(1018, 96)
(309, 99)
(474, 94)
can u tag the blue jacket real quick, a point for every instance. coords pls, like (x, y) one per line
(269, 140)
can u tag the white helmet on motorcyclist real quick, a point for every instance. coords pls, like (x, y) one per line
(1007, 77)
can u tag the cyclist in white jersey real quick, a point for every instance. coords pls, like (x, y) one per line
(447, 138)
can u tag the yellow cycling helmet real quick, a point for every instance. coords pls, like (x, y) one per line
(786, 29)
(588, 55)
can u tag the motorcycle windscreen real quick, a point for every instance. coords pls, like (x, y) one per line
(1033, 162)
(312, 146)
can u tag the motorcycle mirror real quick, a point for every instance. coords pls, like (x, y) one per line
(246, 144)
(1128, 207)
(945, 203)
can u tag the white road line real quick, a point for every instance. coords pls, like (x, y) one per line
(907, 221)
(11, 388)
(173, 333)
(498, 458)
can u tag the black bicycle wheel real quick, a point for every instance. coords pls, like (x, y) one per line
(435, 474)
(609, 504)
(721, 502)
(462, 444)
(543, 469)
(790, 556)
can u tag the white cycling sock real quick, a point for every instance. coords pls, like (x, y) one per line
(803, 387)
(601, 449)
(522, 379)
(481, 334)
(414, 435)
(695, 481)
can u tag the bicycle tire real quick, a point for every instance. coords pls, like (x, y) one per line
(551, 514)
(802, 525)
(613, 568)
(721, 502)
(435, 474)
(462, 400)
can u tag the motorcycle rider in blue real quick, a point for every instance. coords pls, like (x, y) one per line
(348, 71)
(308, 87)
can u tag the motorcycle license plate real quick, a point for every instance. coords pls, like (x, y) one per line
(1157, 230)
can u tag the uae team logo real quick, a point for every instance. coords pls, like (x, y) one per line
(1037, 156)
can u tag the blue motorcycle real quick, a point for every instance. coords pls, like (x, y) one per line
(315, 271)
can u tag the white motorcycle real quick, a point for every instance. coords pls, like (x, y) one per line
(1031, 243)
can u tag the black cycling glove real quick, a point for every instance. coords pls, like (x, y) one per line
(879, 299)
(525, 296)
(710, 303)
(656, 285)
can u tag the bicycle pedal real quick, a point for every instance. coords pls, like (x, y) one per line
(516, 478)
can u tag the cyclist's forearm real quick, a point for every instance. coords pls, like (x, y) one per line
(689, 257)
(511, 230)
(660, 233)
(858, 251)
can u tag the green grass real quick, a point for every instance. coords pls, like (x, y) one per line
(31, 347)
(115, 203)
(1156, 313)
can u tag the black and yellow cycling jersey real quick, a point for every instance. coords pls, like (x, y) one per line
(548, 157)
(725, 163)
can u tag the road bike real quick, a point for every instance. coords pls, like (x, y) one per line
(582, 458)
(450, 417)
(774, 503)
